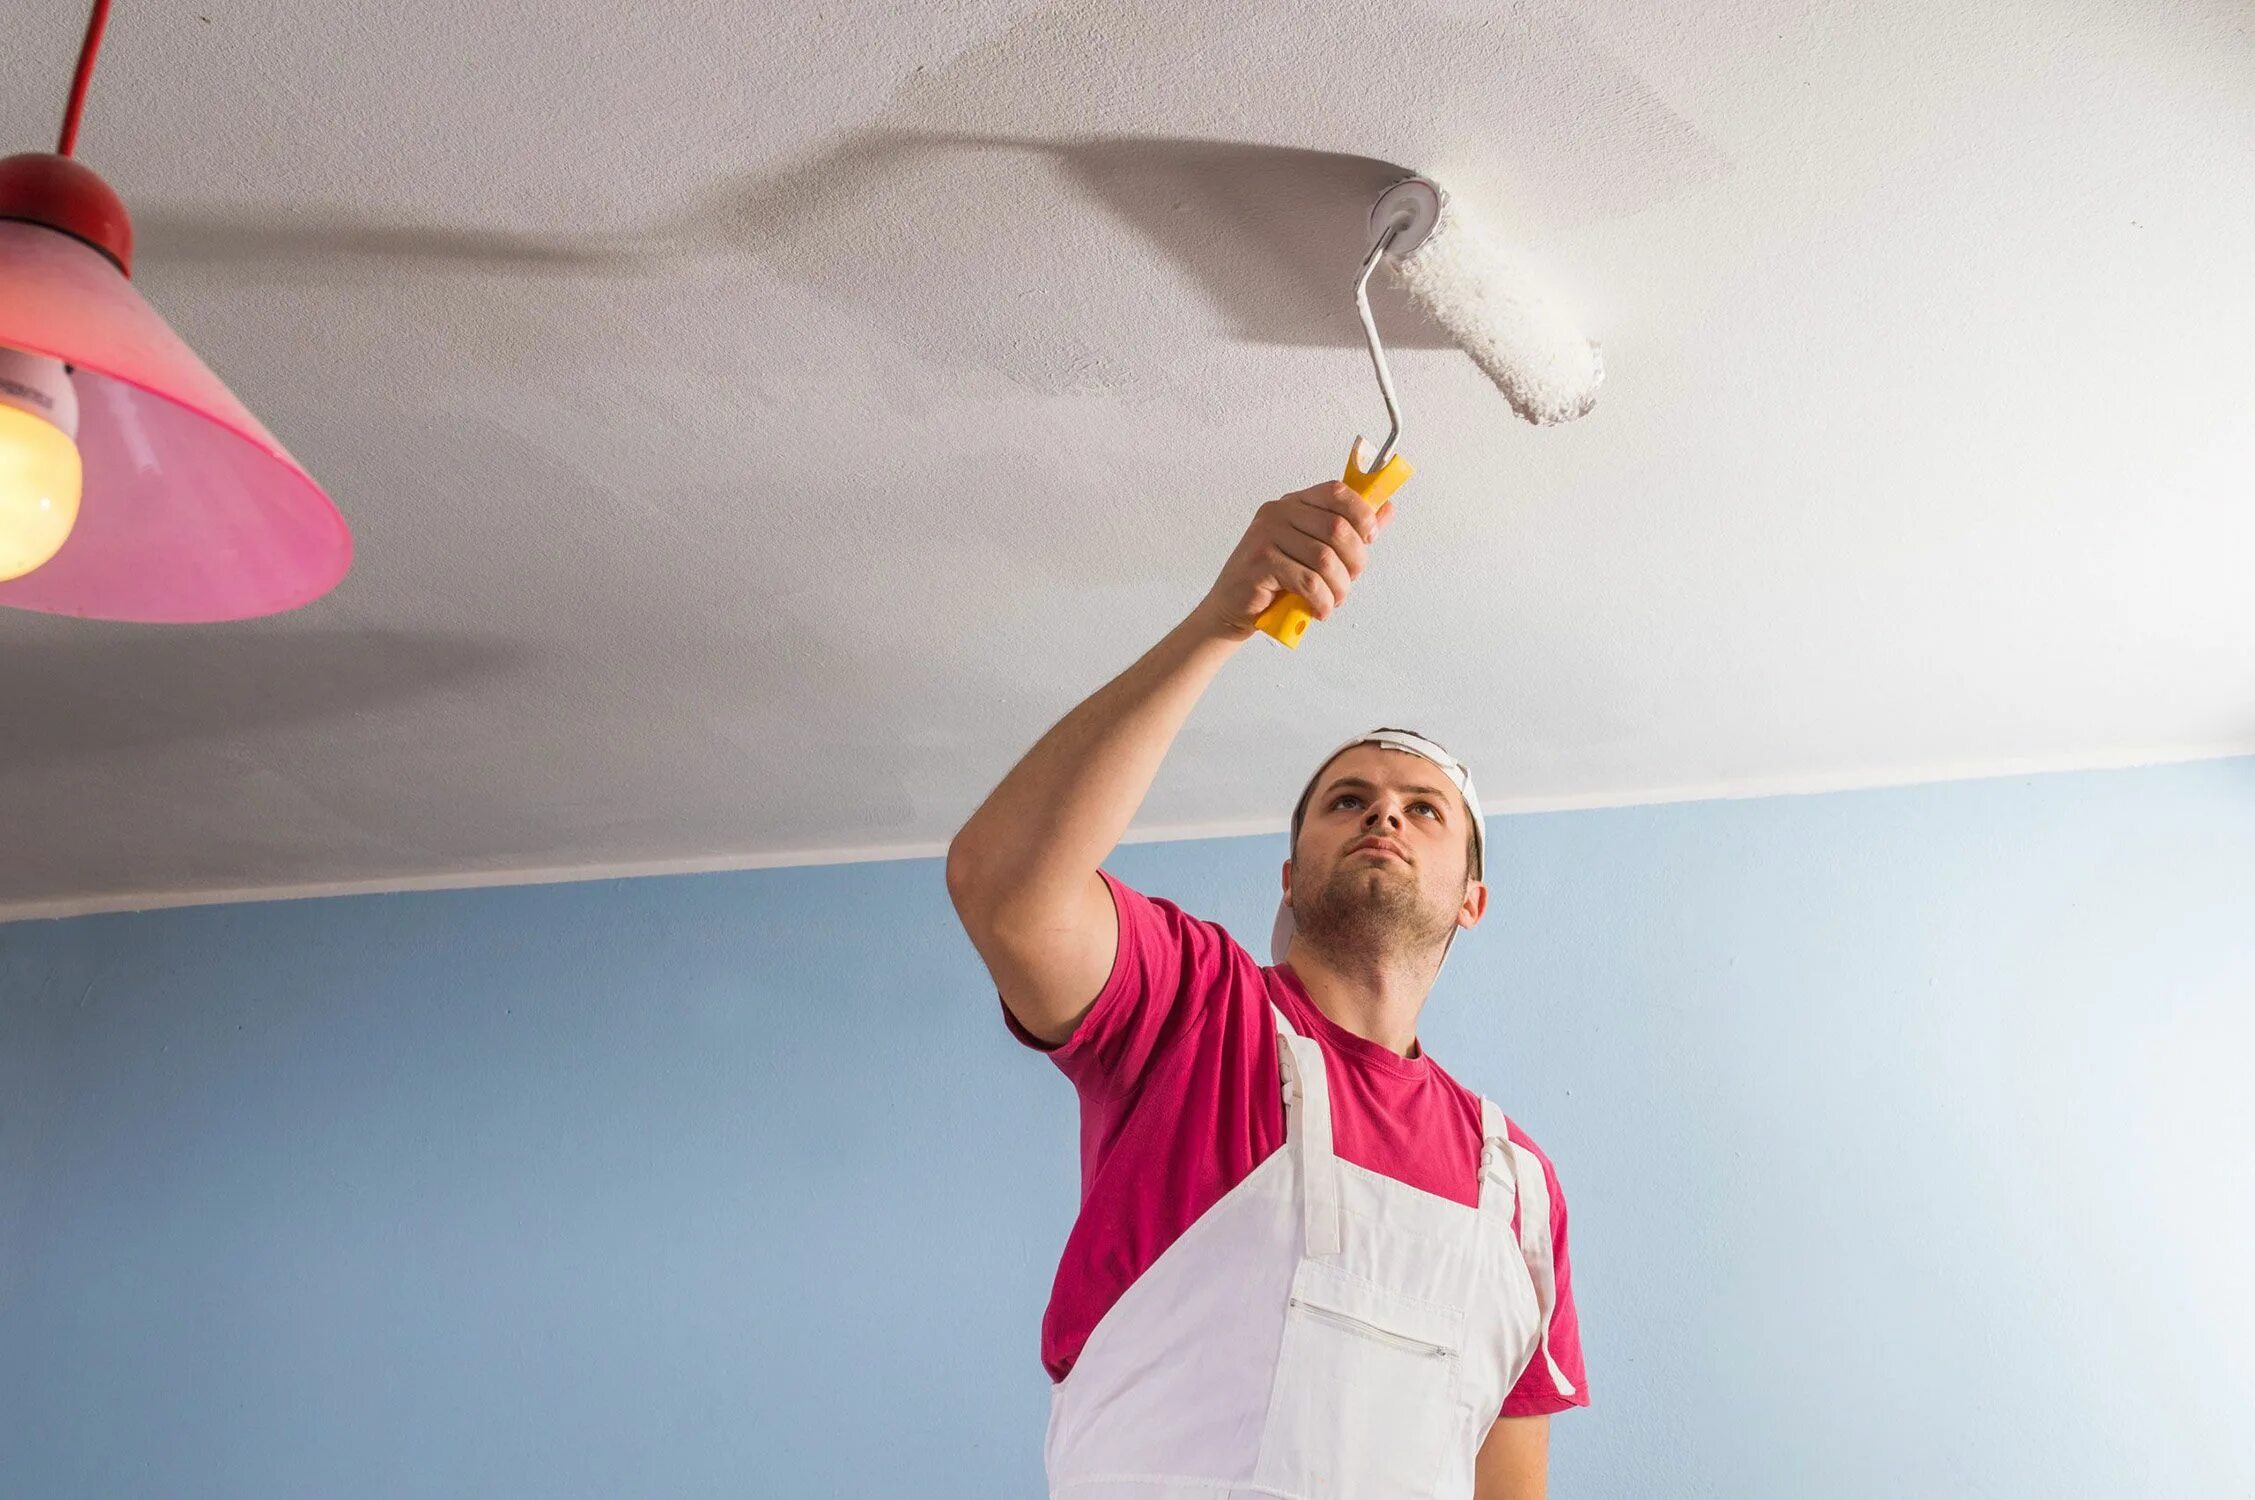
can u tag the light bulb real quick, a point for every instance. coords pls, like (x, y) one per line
(40, 474)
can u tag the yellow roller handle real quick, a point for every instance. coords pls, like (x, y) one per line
(1289, 617)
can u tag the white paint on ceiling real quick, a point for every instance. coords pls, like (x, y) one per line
(759, 424)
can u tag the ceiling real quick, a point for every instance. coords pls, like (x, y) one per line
(760, 423)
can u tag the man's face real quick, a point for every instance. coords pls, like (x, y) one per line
(1382, 865)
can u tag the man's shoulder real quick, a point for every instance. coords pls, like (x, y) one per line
(1165, 917)
(1475, 1103)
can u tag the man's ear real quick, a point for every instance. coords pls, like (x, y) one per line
(1287, 880)
(1475, 906)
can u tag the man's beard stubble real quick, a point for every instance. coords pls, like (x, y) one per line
(1353, 918)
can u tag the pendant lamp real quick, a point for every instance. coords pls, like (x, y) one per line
(133, 486)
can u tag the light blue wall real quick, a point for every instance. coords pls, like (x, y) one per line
(1907, 1137)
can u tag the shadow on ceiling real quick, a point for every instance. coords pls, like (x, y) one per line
(1271, 234)
(101, 690)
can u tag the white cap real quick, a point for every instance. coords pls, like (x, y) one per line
(1280, 940)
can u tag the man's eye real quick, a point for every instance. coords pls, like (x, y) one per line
(1429, 807)
(1343, 798)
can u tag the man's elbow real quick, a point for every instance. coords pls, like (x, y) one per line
(973, 883)
(968, 882)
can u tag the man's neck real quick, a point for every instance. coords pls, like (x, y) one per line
(1377, 1000)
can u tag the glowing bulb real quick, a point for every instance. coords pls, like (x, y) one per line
(39, 469)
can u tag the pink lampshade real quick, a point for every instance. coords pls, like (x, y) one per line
(191, 510)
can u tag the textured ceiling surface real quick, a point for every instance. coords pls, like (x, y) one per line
(760, 422)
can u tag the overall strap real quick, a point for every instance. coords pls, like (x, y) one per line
(1510, 1173)
(1307, 1131)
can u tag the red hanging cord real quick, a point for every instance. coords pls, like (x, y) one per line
(77, 106)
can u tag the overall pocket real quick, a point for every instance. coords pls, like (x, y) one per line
(1364, 1403)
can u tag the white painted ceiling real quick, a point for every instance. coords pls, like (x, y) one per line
(760, 422)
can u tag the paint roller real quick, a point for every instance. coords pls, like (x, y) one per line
(1486, 298)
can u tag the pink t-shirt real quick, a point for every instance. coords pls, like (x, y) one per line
(1176, 1069)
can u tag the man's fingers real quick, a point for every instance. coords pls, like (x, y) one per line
(1337, 531)
(1340, 500)
(1313, 557)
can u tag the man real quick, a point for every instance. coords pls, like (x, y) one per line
(1308, 1263)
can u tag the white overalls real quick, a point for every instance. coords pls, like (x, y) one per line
(1321, 1333)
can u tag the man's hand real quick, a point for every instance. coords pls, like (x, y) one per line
(1515, 1460)
(1314, 542)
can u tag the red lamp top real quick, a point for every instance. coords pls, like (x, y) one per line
(61, 193)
